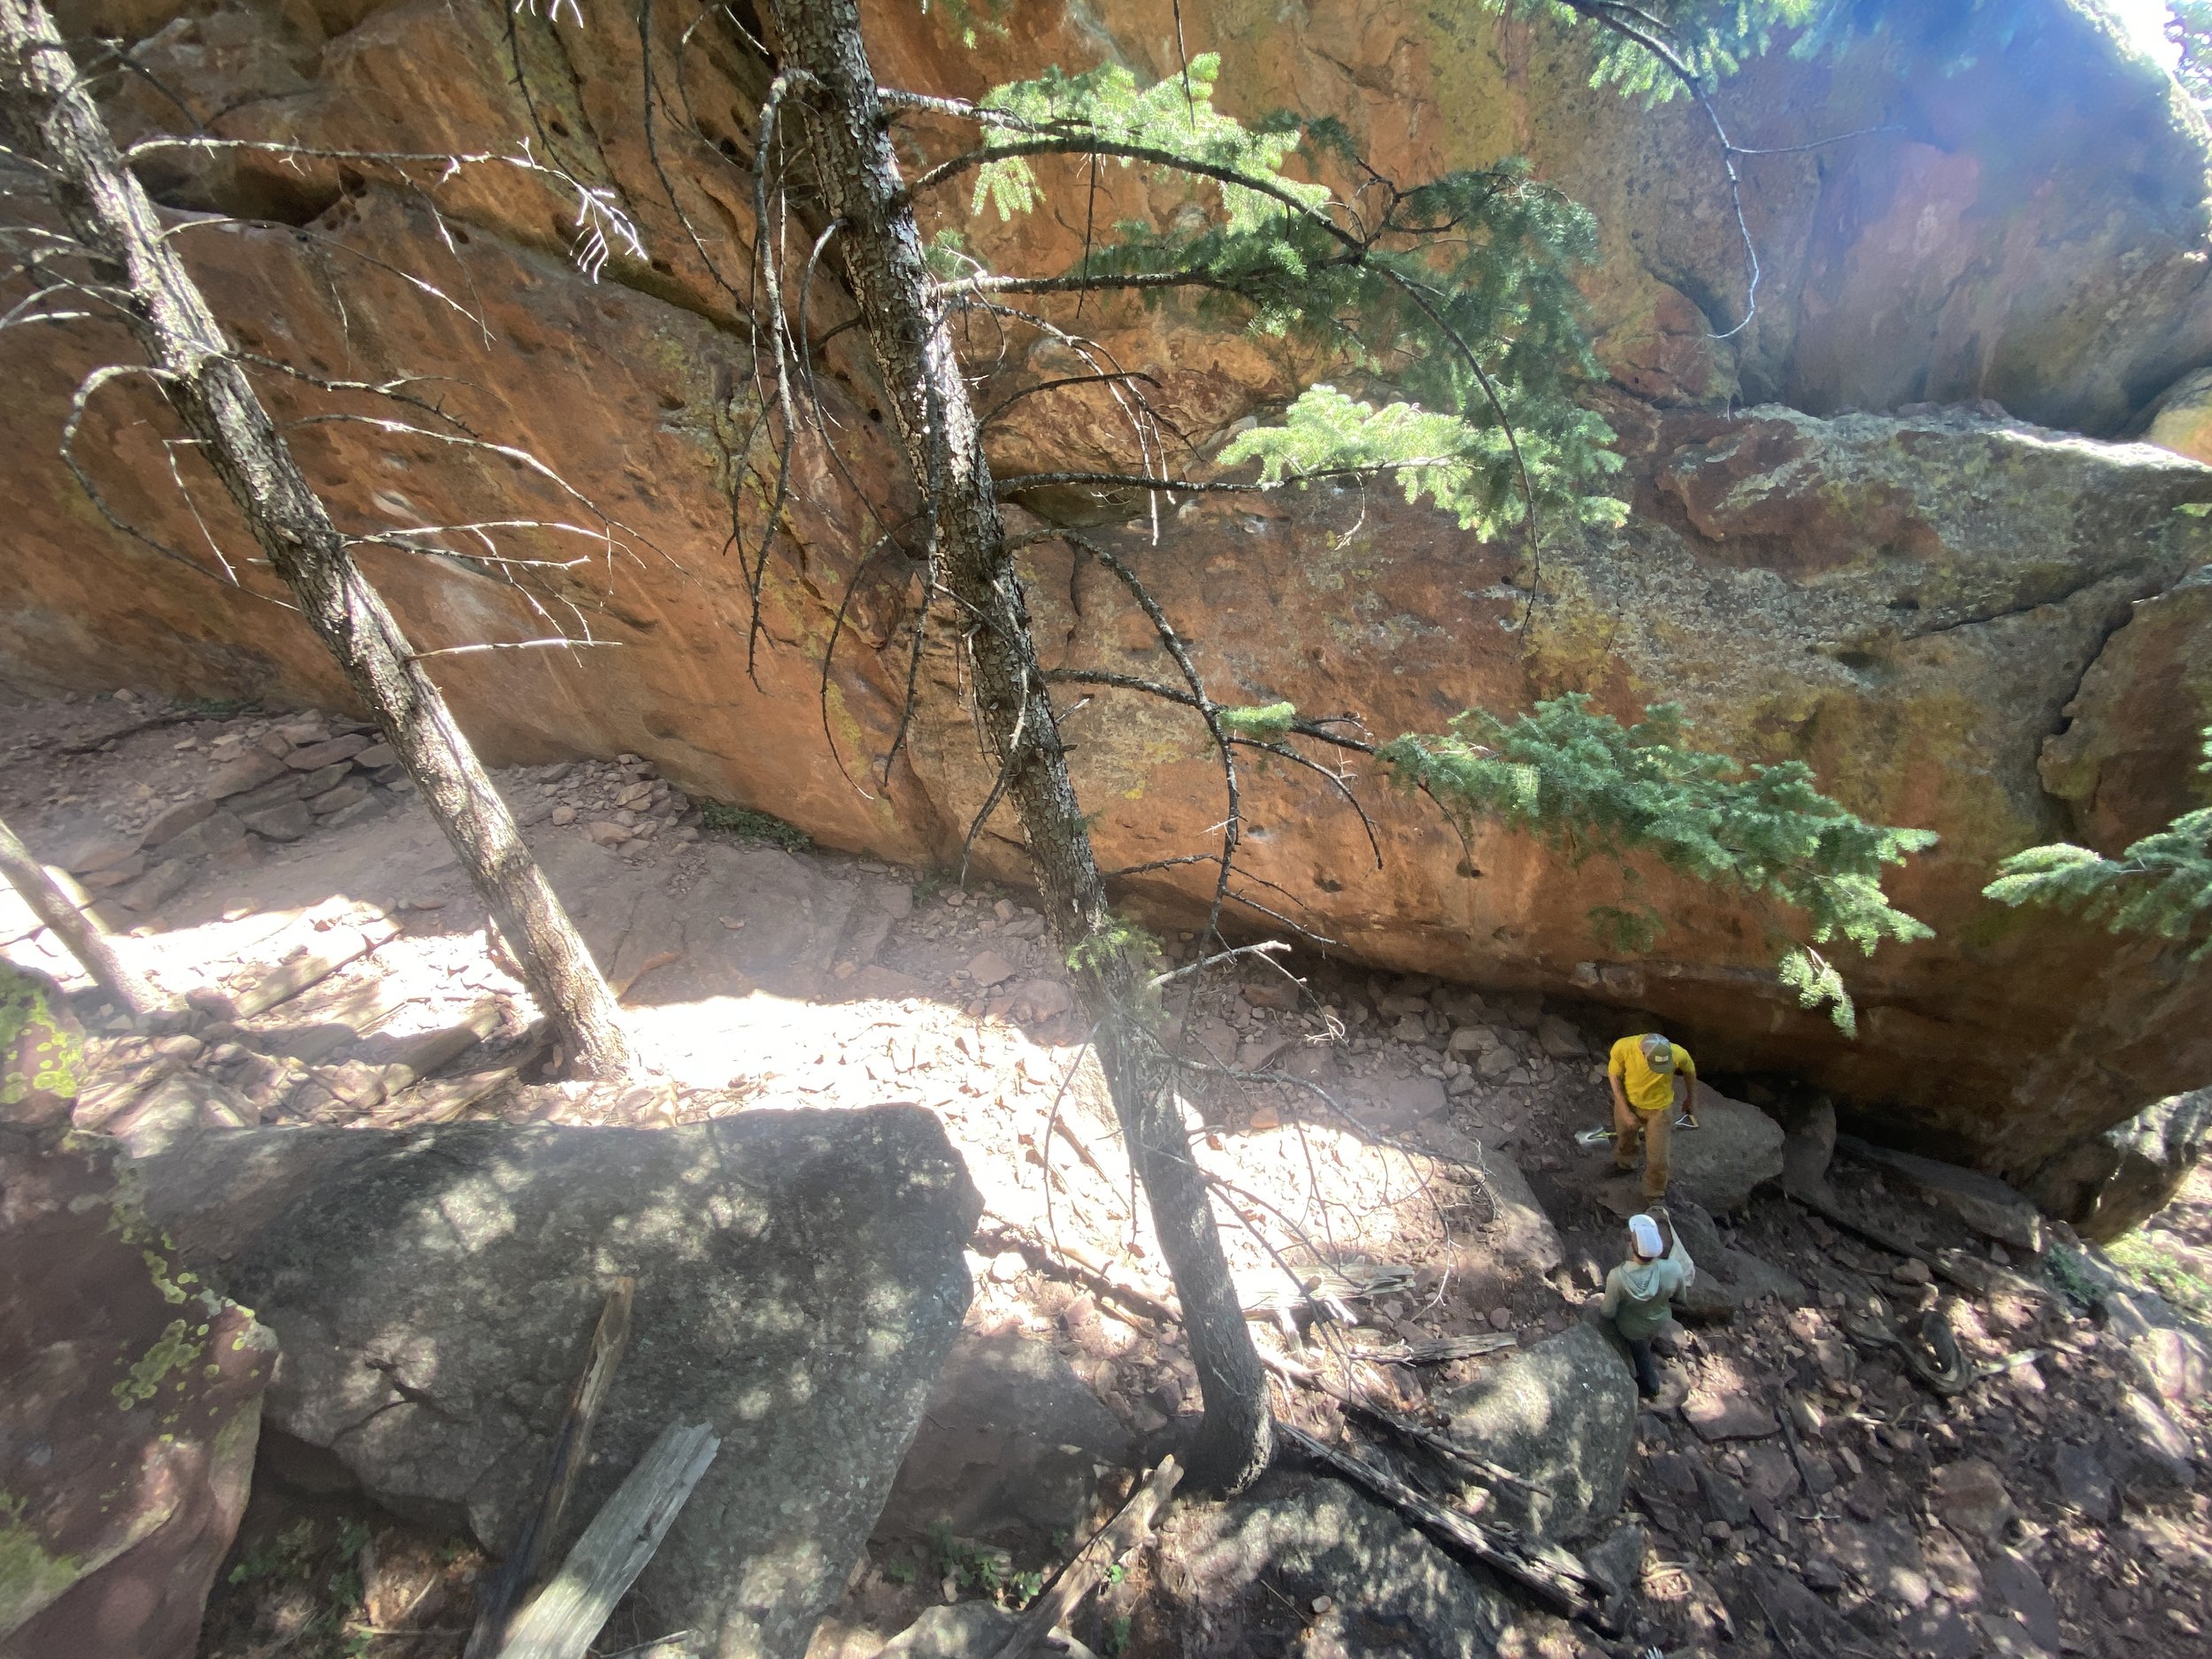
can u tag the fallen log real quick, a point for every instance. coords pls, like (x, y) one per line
(1404, 1427)
(1058, 1600)
(570, 1443)
(1545, 1579)
(566, 1616)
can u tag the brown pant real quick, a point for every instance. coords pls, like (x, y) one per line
(1652, 1133)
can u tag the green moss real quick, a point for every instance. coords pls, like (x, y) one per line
(30, 1576)
(176, 1349)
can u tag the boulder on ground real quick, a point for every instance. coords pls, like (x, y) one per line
(1008, 1450)
(130, 1396)
(800, 1279)
(2117, 1181)
(1982, 1202)
(1563, 1416)
(1306, 1564)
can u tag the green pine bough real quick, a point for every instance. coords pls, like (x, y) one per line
(1458, 296)
(2160, 886)
(1590, 786)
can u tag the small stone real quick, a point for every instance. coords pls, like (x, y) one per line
(115, 875)
(375, 755)
(369, 805)
(1265, 1118)
(1820, 1573)
(1007, 1266)
(1730, 1416)
(1558, 1039)
(564, 814)
(1280, 994)
(1501, 1318)
(178, 819)
(334, 801)
(1969, 1497)
(990, 968)
(323, 778)
(1495, 1064)
(1719, 1531)
(287, 822)
(1322, 1603)
(96, 853)
(1911, 1271)
(314, 757)
(733, 922)
(606, 833)
(1472, 1039)
(248, 771)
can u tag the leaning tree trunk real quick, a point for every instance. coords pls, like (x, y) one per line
(53, 122)
(82, 935)
(881, 249)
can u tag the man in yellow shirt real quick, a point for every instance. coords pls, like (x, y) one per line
(1651, 1078)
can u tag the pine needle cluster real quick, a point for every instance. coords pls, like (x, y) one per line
(1456, 295)
(1590, 786)
(2160, 886)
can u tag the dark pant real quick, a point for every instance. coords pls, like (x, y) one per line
(1647, 1371)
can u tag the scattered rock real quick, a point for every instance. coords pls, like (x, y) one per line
(432, 1291)
(375, 755)
(96, 853)
(1496, 1064)
(990, 968)
(1982, 1202)
(2174, 1364)
(313, 756)
(2023, 1590)
(1278, 993)
(248, 771)
(1563, 1416)
(564, 814)
(1731, 1415)
(1912, 1271)
(2082, 1481)
(176, 819)
(286, 823)
(606, 833)
(1472, 1039)
(1809, 1145)
(1559, 1039)
(2159, 1449)
(1970, 1498)
(156, 887)
(335, 801)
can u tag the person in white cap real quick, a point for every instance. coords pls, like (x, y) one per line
(1651, 1078)
(1639, 1292)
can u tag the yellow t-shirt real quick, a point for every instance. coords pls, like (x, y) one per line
(1647, 1090)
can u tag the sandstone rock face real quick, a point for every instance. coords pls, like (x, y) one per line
(130, 1395)
(799, 1281)
(1927, 605)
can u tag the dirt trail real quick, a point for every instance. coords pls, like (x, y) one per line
(1381, 1132)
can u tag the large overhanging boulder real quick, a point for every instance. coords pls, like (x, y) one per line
(799, 1281)
(1924, 603)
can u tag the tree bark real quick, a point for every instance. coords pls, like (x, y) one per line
(82, 935)
(52, 121)
(881, 251)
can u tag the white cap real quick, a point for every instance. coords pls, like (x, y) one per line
(1644, 1233)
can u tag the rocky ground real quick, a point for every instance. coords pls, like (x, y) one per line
(1797, 1488)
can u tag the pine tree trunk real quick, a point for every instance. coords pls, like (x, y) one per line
(82, 935)
(52, 121)
(881, 250)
